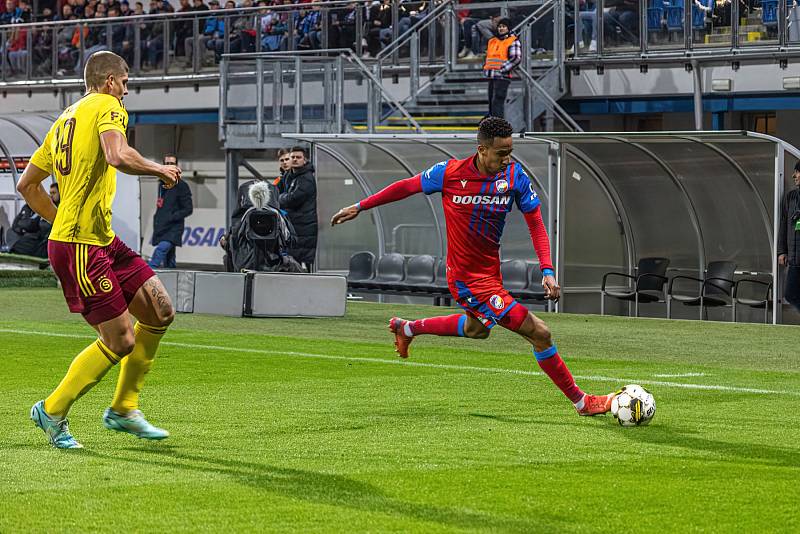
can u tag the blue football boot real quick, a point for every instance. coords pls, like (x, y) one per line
(56, 431)
(132, 423)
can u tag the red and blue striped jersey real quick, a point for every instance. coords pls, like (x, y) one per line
(475, 208)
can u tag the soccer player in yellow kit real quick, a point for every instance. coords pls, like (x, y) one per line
(101, 277)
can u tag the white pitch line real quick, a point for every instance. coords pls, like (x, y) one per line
(494, 370)
(679, 375)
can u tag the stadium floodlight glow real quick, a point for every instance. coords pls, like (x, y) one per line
(722, 84)
(792, 82)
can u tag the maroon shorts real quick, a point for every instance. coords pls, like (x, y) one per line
(98, 282)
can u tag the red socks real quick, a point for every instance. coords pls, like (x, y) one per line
(552, 364)
(449, 325)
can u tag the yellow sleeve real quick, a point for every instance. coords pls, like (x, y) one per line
(112, 117)
(43, 157)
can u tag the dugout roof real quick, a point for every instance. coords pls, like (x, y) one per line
(608, 199)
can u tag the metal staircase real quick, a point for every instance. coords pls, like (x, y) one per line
(455, 99)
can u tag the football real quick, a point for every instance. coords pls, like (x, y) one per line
(633, 406)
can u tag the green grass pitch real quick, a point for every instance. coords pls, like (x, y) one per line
(314, 426)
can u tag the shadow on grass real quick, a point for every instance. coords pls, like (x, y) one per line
(524, 420)
(723, 450)
(325, 488)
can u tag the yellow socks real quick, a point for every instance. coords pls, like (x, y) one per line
(135, 366)
(86, 370)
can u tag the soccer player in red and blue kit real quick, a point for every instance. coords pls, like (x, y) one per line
(477, 193)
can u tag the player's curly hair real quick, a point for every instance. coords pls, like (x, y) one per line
(492, 127)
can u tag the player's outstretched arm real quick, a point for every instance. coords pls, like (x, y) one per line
(541, 243)
(30, 187)
(391, 193)
(121, 156)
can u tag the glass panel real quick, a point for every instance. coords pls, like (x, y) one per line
(621, 25)
(731, 223)
(589, 210)
(665, 24)
(42, 58)
(653, 204)
(18, 142)
(793, 23)
(759, 23)
(586, 26)
(419, 157)
(757, 159)
(339, 188)
(711, 23)
(408, 226)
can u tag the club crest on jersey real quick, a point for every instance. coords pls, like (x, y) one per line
(497, 302)
(502, 186)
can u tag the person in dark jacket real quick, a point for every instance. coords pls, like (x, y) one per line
(173, 206)
(299, 199)
(789, 240)
(29, 232)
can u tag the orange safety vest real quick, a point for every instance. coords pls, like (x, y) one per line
(497, 52)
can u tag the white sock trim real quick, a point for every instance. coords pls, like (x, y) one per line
(581, 403)
(407, 329)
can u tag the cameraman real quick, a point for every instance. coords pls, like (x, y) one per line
(789, 240)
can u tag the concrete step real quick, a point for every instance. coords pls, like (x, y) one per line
(438, 120)
(411, 129)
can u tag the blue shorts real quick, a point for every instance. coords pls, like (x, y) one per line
(487, 301)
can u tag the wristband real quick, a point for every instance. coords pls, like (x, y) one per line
(548, 272)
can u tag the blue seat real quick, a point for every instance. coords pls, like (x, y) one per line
(769, 12)
(654, 16)
(674, 18)
(698, 18)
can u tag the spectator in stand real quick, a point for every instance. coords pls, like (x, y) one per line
(125, 8)
(242, 36)
(380, 27)
(172, 208)
(312, 29)
(96, 39)
(121, 35)
(218, 36)
(152, 37)
(210, 30)
(299, 199)
(481, 32)
(409, 14)
(273, 30)
(620, 21)
(503, 54)
(138, 8)
(182, 29)
(343, 27)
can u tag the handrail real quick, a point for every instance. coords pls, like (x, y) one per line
(535, 16)
(557, 109)
(324, 55)
(424, 22)
(354, 58)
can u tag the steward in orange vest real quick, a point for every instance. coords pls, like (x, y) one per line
(503, 54)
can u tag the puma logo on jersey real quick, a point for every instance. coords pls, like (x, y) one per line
(463, 184)
(481, 199)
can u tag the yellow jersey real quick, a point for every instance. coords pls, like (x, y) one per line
(73, 155)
